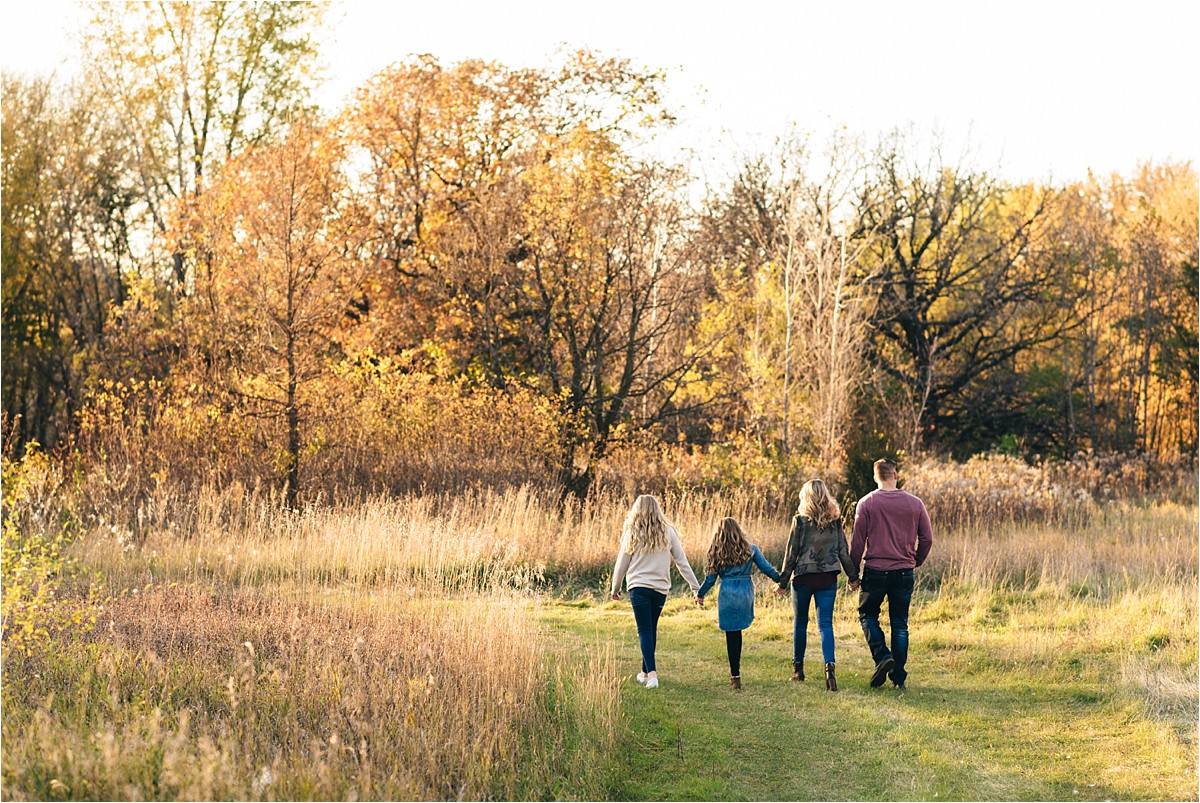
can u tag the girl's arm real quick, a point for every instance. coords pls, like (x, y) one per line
(764, 565)
(681, 561)
(622, 566)
(844, 556)
(709, 582)
(792, 554)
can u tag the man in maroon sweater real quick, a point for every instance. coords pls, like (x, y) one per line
(892, 527)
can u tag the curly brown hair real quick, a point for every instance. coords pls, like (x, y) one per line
(729, 547)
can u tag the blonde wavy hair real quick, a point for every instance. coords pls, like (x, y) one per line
(818, 505)
(729, 547)
(645, 528)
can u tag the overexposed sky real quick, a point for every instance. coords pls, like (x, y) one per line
(1042, 89)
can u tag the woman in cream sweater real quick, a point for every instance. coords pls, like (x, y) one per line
(648, 546)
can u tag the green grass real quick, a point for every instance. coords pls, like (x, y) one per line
(1002, 704)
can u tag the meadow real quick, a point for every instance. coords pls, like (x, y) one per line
(461, 646)
(327, 383)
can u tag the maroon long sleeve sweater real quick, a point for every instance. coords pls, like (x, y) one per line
(893, 529)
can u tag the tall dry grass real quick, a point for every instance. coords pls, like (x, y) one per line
(517, 538)
(996, 489)
(391, 648)
(1119, 548)
(393, 428)
(522, 538)
(1119, 593)
(188, 692)
(251, 652)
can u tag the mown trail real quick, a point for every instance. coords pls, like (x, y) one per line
(973, 725)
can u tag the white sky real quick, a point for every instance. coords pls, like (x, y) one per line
(1046, 89)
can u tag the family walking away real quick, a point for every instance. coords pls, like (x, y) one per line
(892, 537)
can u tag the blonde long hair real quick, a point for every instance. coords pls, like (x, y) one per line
(729, 547)
(818, 505)
(645, 528)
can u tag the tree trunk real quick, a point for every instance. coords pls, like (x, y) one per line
(293, 425)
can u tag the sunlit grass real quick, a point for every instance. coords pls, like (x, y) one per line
(193, 692)
(439, 646)
(1024, 695)
(519, 538)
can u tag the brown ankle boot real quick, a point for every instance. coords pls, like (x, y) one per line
(797, 671)
(735, 682)
(830, 680)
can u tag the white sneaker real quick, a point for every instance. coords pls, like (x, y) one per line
(641, 677)
(652, 683)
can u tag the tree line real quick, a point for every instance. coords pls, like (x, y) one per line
(476, 271)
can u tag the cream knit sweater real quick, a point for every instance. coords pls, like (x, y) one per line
(653, 569)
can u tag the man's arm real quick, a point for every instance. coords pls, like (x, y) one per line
(924, 535)
(848, 566)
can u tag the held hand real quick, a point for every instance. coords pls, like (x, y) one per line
(700, 601)
(854, 585)
(617, 597)
(781, 591)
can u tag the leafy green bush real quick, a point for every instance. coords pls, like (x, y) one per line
(37, 529)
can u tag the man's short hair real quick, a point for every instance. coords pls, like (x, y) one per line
(885, 469)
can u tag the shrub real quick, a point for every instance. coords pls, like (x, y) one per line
(37, 529)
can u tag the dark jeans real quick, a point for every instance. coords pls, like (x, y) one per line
(647, 605)
(733, 646)
(801, 594)
(896, 586)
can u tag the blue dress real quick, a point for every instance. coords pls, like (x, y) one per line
(735, 602)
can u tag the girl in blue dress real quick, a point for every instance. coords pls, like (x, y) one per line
(732, 558)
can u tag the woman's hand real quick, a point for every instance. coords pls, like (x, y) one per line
(700, 601)
(781, 591)
(616, 596)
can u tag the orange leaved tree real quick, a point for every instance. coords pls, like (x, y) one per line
(281, 255)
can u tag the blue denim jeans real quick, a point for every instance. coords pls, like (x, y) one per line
(801, 594)
(896, 586)
(647, 605)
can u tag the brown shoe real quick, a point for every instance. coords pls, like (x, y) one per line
(735, 682)
(830, 680)
(797, 671)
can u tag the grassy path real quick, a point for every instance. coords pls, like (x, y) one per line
(973, 725)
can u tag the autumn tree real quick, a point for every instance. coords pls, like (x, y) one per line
(68, 209)
(518, 233)
(284, 253)
(962, 289)
(1124, 251)
(95, 172)
(445, 147)
(612, 292)
(826, 296)
(1137, 357)
(786, 238)
(741, 228)
(193, 83)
